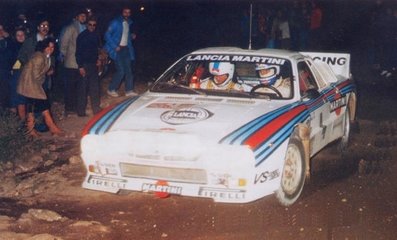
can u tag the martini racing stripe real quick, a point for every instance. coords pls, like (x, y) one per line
(95, 119)
(252, 126)
(106, 121)
(268, 147)
(346, 89)
(267, 132)
(246, 130)
(343, 89)
(272, 127)
(312, 105)
(328, 94)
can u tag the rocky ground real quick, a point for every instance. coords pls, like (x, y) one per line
(349, 198)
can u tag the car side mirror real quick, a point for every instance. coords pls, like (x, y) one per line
(311, 94)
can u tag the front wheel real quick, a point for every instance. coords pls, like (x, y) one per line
(293, 177)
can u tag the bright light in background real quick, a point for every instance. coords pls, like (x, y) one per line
(142, 9)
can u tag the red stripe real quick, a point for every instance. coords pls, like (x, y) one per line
(341, 85)
(95, 119)
(323, 97)
(265, 132)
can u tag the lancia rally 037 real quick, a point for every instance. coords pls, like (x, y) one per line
(227, 124)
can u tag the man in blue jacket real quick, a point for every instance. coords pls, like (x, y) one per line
(118, 39)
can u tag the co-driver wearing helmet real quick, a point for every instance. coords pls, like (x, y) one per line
(221, 79)
(270, 75)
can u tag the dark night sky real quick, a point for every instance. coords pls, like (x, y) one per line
(166, 10)
(173, 28)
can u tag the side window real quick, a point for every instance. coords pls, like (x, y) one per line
(306, 78)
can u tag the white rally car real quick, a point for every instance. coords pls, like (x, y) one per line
(228, 124)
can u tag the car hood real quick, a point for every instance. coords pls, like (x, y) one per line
(209, 118)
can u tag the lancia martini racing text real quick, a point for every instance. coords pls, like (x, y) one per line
(236, 58)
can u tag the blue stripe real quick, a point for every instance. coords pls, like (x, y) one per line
(98, 125)
(253, 126)
(104, 124)
(265, 151)
(262, 125)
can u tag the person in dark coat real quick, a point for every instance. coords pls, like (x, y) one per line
(87, 46)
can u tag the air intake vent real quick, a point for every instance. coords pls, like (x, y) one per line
(187, 175)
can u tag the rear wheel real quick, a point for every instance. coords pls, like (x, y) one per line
(293, 177)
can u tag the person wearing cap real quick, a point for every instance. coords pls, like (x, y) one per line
(222, 77)
(71, 68)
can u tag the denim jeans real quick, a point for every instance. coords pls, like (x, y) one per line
(123, 69)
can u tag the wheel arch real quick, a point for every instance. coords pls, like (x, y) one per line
(352, 105)
(302, 133)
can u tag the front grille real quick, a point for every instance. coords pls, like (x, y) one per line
(188, 175)
(178, 98)
(209, 99)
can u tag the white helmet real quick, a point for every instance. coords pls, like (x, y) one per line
(221, 68)
(269, 77)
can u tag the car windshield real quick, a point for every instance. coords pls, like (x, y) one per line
(229, 75)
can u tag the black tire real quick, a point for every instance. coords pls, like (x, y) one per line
(293, 175)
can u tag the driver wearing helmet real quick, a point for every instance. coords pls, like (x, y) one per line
(269, 75)
(222, 77)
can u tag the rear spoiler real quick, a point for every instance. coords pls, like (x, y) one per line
(338, 62)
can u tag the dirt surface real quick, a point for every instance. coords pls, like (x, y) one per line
(350, 197)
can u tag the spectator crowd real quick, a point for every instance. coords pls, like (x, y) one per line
(28, 64)
(299, 26)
